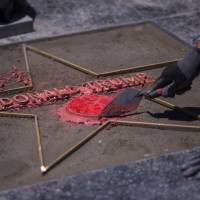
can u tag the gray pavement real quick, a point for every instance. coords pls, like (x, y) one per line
(69, 16)
(150, 179)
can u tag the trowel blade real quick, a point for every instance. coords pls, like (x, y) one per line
(124, 102)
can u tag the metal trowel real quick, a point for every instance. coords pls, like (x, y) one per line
(124, 102)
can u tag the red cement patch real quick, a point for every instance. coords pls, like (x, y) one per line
(84, 109)
(89, 106)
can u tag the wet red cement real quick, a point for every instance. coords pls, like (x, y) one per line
(89, 105)
(84, 109)
(66, 116)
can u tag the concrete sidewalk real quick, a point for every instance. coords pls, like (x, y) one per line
(69, 16)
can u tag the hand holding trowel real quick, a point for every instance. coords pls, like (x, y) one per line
(171, 81)
(126, 101)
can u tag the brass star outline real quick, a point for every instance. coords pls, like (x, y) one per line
(47, 167)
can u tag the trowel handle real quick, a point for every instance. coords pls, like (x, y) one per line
(155, 93)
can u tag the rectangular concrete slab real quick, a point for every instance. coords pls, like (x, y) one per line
(24, 25)
(101, 51)
(129, 46)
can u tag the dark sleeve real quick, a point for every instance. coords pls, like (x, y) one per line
(190, 64)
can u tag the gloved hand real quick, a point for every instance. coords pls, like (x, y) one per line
(192, 167)
(177, 78)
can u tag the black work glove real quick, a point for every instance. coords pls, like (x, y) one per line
(177, 78)
(192, 167)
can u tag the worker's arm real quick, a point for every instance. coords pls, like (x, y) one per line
(177, 78)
